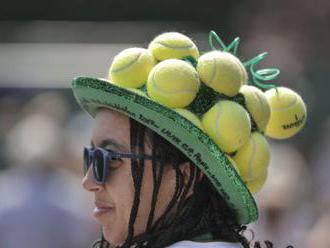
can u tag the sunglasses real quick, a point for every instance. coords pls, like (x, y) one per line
(101, 160)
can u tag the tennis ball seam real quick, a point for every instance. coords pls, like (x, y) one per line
(175, 47)
(252, 158)
(127, 65)
(286, 107)
(154, 83)
(260, 106)
(258, 98)
(238, 64)
(214, 72)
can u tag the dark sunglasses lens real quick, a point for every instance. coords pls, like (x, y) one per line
(98, 168)
(87, 161)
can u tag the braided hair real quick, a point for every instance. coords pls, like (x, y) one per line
(205, 211)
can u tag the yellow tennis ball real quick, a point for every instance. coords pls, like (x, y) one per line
(233, 163)
(257, 105)
(173, 45)
(228, 125)
(252, 159)
(288, 113)
(222, 71)
(130, 68)
(173, 83)
(256, 185)
(245, 76)
(190, 116)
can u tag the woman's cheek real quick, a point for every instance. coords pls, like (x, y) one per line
(122, 190)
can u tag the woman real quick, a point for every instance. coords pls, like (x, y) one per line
(173, 201)
(159, 177)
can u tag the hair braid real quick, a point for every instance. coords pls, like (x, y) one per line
(137, 169)
(192, 177)
(155, 194)
(177, 192)
(157, 179)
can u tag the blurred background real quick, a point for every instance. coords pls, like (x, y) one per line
(45, 44)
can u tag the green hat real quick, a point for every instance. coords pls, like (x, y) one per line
(181, 129)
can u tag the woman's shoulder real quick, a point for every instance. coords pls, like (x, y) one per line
(214, 244)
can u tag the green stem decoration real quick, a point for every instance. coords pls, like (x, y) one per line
(258, 76)
(213, 35)
(262, 75)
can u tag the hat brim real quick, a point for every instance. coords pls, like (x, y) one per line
(92, 93)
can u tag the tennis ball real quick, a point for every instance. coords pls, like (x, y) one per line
(228, 125)
(288, 113)
(233, 163)
(257, 105)
(173, 83)
(255, 185)
(190, 116)
(173, 45)
(222, 71)
(252, 159)
(130, 68)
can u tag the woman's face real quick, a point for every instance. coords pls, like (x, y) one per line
(114, 199)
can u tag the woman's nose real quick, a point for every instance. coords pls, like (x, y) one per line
(89, 183)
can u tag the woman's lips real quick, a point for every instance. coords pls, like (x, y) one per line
(101, 208)
(98, 211)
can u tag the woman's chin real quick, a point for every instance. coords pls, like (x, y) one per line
(112, 236)
(112, 240)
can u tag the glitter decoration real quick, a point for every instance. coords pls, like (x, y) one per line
(205, 99)
(191, 60)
